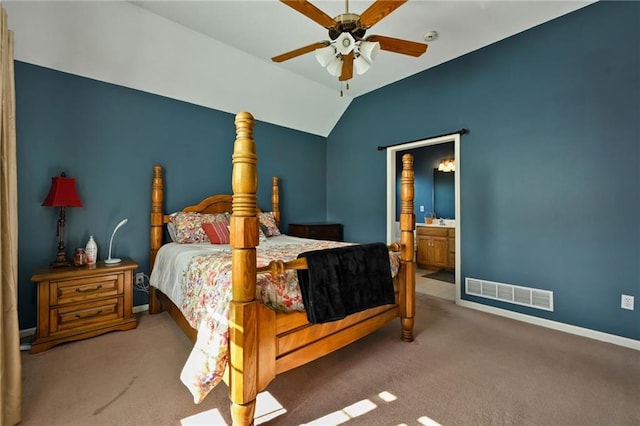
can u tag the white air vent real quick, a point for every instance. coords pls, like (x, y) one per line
(526, 296)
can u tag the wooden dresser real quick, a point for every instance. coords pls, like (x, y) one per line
(77, 303)
(317, 230)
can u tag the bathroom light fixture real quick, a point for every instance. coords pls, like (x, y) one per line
(447, 165)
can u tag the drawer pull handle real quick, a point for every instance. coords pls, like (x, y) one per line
(98, 312)
(88, 290)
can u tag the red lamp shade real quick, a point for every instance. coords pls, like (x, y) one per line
(62, 193)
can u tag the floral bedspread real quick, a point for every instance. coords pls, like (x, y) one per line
(207, 290)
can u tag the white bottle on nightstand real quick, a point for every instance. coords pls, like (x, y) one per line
(92, 251)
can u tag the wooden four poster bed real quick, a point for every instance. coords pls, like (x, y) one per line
(262, 342)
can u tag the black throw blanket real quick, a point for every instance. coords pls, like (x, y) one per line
(345, 280)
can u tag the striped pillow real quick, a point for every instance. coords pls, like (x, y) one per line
(218, 232)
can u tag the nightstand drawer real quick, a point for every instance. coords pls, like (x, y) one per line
(85, 289)
(85, 314)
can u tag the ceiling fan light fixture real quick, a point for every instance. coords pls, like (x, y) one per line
(361, 65)
(345, 43)
(326, 55)
(335, 67)
(369, 50)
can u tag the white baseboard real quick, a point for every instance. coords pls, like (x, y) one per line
(572, 329)
(27, 332)
(32, 331)
(140, 308)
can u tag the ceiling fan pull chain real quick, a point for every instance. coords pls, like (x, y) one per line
(341, 86)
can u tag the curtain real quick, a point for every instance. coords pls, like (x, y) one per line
(10, 364)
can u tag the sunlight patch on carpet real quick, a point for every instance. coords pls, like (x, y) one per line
(209, 417)
(387, 396)
(347, 413)
(267, 408)
(352, 411)
(428, 421)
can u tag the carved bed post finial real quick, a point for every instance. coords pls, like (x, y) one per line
(156, 219)
(243, 311)
(275, 199)
(407, 226)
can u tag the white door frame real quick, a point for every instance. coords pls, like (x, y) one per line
(391, 190)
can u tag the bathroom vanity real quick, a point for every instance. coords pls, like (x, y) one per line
(436, 245)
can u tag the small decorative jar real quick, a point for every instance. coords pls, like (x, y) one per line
(80, 257)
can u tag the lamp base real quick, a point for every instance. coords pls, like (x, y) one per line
(112, 260)
(61, 261)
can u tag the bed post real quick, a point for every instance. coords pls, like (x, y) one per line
(275, 200)
(157, 195)
(407, 225)
(243, 311)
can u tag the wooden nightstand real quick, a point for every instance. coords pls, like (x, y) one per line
(78, 303)
(317, 230)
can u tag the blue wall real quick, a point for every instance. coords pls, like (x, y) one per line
(550, 171)
(108, 138)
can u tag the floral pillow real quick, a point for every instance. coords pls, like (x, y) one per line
(171, 228)
(268, 224)
(262, 237)
(188, 225)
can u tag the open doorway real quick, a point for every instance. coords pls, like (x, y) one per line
(392, 153)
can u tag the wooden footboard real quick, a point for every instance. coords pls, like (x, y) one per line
(263, 343)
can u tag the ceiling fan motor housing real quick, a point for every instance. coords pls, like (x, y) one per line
(347, 23)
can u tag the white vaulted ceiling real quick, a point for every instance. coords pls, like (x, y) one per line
(217, 53)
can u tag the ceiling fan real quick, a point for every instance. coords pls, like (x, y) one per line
(348, 45)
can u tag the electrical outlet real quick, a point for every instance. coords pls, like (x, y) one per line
(421, 208)
(140, 278)
(627, 302)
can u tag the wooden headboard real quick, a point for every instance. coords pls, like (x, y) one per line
(219, 203)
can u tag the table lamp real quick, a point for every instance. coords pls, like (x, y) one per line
(62, 194)
(111, 260)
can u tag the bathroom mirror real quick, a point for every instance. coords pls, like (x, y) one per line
(444, 194)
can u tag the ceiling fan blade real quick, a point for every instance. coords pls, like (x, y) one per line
(311, 12)
(300, 51)
(379, 10)
(397, 45)
(347, 67)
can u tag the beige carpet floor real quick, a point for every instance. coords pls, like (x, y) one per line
(464, 368)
